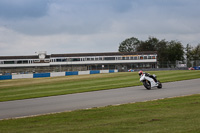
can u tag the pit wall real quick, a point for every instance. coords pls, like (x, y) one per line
(54, 74)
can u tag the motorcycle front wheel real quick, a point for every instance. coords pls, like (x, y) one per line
(147, 84)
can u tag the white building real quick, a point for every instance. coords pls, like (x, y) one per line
(77, 62)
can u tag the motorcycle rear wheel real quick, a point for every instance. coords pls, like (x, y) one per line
(159, 85)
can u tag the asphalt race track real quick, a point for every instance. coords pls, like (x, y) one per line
(38, 106)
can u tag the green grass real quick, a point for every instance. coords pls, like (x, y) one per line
(42, 87)
(177, 115)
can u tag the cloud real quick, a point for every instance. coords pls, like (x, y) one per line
(20, 44)
(48, 17)
(74, 17)
(62, 26)
(20, 9)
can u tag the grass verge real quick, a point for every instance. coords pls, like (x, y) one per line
(41, 87)
(179, 114)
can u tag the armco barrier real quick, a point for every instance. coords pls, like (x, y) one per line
(104, 71)
(83, 72)
(57, 74)
(22, 76)
(94, 71)
(54, 74)
(41, 75)
(197, 68)
(5, 77)
(111, 71)
(71, 73)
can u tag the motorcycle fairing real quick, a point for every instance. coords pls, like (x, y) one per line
(144, 77)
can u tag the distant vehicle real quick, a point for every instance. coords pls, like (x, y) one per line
(191, 68)
(149, 81)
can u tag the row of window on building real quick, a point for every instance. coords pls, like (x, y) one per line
(103, 58)
(70, 59)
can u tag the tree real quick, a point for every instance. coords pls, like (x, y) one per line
(167, 52)
(148, 45)
(175, 51)
(196, 55)
(192, 53)
(188, 53)
(129, 45)
(162, 54)
(196, 52)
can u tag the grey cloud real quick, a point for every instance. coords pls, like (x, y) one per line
(96, 16)
(19, 9)
(45, 17)
(65, 17)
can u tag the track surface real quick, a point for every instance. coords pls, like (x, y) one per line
(38, 106)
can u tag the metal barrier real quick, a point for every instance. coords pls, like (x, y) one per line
(54, 74)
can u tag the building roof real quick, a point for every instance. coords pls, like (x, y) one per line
(77, 55)
(21, 57)
(103, 54)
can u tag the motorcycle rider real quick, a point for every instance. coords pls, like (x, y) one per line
(147, 74)
(140, 73)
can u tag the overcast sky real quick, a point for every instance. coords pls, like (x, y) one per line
(80, 26)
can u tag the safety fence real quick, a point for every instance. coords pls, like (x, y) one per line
(54, 74)
(197, 68)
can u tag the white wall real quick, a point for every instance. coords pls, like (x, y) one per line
(56, 74)
(83, 72)
(104, 71)
(22, 76)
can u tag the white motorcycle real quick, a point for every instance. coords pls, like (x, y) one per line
(150, 81)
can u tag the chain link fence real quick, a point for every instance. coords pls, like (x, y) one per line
(159, 65)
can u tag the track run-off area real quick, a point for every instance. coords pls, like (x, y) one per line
(70, 102)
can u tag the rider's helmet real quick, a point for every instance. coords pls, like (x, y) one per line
(140, 73)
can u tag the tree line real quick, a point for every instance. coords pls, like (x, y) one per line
(168, 52)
